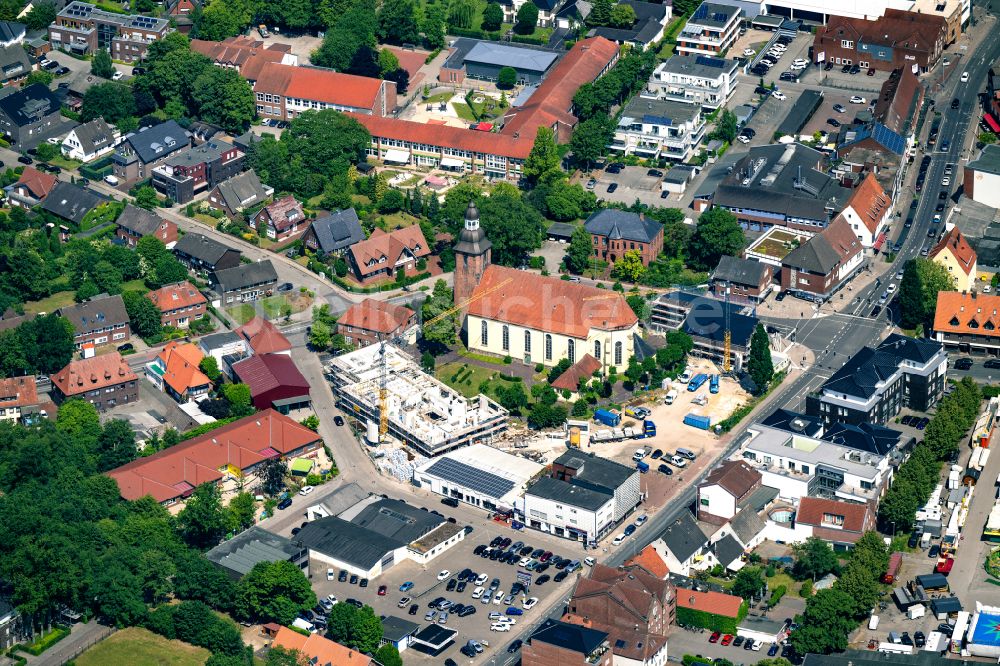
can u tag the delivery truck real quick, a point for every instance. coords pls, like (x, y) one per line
(697, 382)
(713, 385)
(891, 571)
(670, 397)
(698, 421)
(608, 418)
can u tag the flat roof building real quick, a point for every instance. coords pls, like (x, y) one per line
(479, 475)
(244, 551)
(484, 60)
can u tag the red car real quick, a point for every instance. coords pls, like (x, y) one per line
(546, 556)
(727, 639)
(714, 638)
(381, 590)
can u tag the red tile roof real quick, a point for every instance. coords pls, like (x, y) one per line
(896, 28)
(650, 560)
(716, 603)
(320, 85)
(283, 213)
(91, 374)
(377, 316)
(967, 314)
(263, 372)
(18, 392)
(319, 650)
(176, 296)
(175, 472)
(870, 202)
(263, 336)
(955, 243)
(549, 304)
(446, 136)
(180, 367)
(244, 53)
(735, 476)
(812, 509)
(391, 246)
(36, 182)
(570, 380)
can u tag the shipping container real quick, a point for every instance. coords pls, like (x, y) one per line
(698, 421)
(608, 418)
(648, 429)
(895, 562)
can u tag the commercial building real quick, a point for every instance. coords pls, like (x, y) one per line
(694, 79)
(869, 211)
(237, 556)
(89, 141)
(704, 319)
(876, 383)
(968, 322)
(422, 412)
(99, 321)
(475, 59)
(557, 642)
(982, 177)
(244, 283)
(145, 149)
(957, 256)
(83, 29)
(233, 452)
(186, 173)
(383, 254)
(822, 265)
(583, 498)
(479, 475)
(334, 233)
(744, 279)
(284, 91)
(711, 30)
(838, 523)
(242, 191)
(201, 253)
(135, 223)
(274, 381)
(372, 321)
(895, 39)
(725, 490)
(614, 232)
(655, 128)
(104, 381)
(280, 220)
(627, 598)
(29, 115)
(175, 371)
(179, 304)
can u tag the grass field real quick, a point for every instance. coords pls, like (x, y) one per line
(241, 313)
(468, 385)
(463, 111)
(60, 299)
(140, 647)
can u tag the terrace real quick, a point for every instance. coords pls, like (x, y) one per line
(775, 244)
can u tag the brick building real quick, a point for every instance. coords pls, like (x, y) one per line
(628, 598)
(83, 29)
(897, 39)
(105, 381)
(183, 175)
(100, 321)
(179, 304)
(280, 219)
(746, 279)
(822, 265)
(557, 643)
(372, 321)
(383, 253)
(284, 91)
(135, 223)
(614, 232)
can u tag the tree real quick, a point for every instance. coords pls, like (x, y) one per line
(51, 336)
(726, 127)
(167, 271)
(115, 445)
(40, 76)
(397, 22)
(367, 631)
(579, 252)
(639, 305)
(546, 416)
(987, 138)
(388, 655)
(210, 367)
(629, 267)
(591, 138)
(814, 559)
(279, 656)
(272, 476)
(42, 15)
(507, 77)
(146, 197)
(918, 291)
(542, 164)
(237, 394)
(622, 16)
(101, 64)
(224, 98)
(825, 623)
(46, 151)
(320, 336)
(440, 334)
(203, 520)
(600, 13)
(79, 419)
(109, 100)
(144, 316)
(492, 17)
(514, 227)
(749, 583)
(512, 397)
(350, 40)
(217, 21)
(273, 592)
(717, 233)
(759, 365)
(527, 19)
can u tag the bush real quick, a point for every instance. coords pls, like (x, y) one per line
(46, 641)
(539, 367)
(776, 595)
(806, 590)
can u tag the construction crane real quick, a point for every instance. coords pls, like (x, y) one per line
(727, 337)
(383, 383)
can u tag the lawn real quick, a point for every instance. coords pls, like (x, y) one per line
(273, 306)
(140, 647)
(458, 376)
(241, 313)
(399, 220)
(438, 98)
(60, 299)
(791, 587)
(463, 111)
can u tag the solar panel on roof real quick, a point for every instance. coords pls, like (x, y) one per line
(708, 61)
(470, 477)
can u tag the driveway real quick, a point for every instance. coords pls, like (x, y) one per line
(80, 638)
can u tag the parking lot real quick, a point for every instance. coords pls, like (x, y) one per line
(831, 98)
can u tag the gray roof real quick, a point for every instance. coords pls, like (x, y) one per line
(646, 10)
(396, 629)
(83, 11)
(870, 658)
(860, 375)
(746, 525)
(11, 30)
(679, 174)
(218, 340)
(242, 190)
(25, 105)
(245, 275)
(395, 519)
(571, 637)
(195, 155)
(643, 32)
(740, 271)
(501, 55)
(250, 547)
(712, 15)
(153, 143)
(95, 314)
(596, 471)
(95, 135)
(988, 161)
(659, 112)
(622, 225)
(202, 248)
(760, 498)
(800, 113)
(683, 537)
(338, 230)
(347, 542)
(139, 220)
(14, 60)
(569, 493)
(561, 229)
(816, 255)
(344, 498)
(727, 550)
(71, 202)
(708, 67)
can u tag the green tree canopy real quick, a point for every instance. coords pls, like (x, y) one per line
(542, 164)
(144, 316)
(101, 64)
(507, 76)
(203, 521)
(759, 364)
(492, 17)
(397, 22)
(578, 255)
(749, 583)
(622, 16)
(273, 592)
(527, 18)
(110, 100)
(918, 291)
(591, 138)
(717, 233)
(814, 559)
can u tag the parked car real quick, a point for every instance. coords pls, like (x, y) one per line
(612, 187)
(858, 99)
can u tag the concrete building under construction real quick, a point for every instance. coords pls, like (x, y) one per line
(423, 413)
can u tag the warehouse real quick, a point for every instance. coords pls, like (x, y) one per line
(479, 475)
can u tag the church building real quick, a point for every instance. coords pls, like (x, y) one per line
(536, 319)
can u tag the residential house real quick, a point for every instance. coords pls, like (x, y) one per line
(747, 526)
(101, 320)
(628, 598)
(876, 383)
(14, 65)
(71, 202)
(274, 381)
(316, 649)
(226, 348)
(583, 498)
(821, 266)
(680, 545)
(283, 92)
(614, 232)
(333, 233)
(31, 188)
(179, 304)
(145, 149)
(573, 14)
(897, 39)
(89, 141)
(723, 492)
(280, 220)
(30, 115)
(650, 20)
(13, 626)
(383, 254)
(655, 129)
(105, 381)
(981, 178)
(968, 322)
(245, 283)
(201, 253)
(584, 369)
(234, 450)
(17, 394)
(702, 80)
(563, 643)
(728, 608)
(743, 279)
(957, 256)
(135, 223)
(234, 195)
(181, 7)
(12, 33)
(711, 30)
(263, 337)
(546, 10)
(869, 212)
(840, 524)
(175, 372)
(627, 645)
(186, 173)
(82, 29)
(245, 54)
(373, 320)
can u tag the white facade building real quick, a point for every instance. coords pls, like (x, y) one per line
(654, 128)
(479, 475)
(711, 30)
(692, 79)
(982, 177)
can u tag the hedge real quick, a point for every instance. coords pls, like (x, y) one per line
(710, 621)
(46, 641)
(207, 427)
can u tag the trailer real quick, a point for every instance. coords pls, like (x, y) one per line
(648, 429)
(607, 417)
(698, 421)
(895, 562)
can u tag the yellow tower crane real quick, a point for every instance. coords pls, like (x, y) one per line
(727, 339)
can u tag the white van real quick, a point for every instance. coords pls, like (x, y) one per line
(639, 454)
(670, 397)
(111, 180)
(304, 624)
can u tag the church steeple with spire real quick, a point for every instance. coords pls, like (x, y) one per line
(472, 255)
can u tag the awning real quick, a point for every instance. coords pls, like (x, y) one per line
(301, 466)
(294, 400)
(452, 163)
(879, 242)
(397, 155)
(991, 121)
(270, 452)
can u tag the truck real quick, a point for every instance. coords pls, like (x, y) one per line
(670, 397)
(698, 421)
(607, 417)
(713, 385)
(891, 571)
(697, 382)
(648, 429)
(944, 565)
(642, 466)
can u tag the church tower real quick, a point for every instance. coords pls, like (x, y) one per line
(472, 255)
